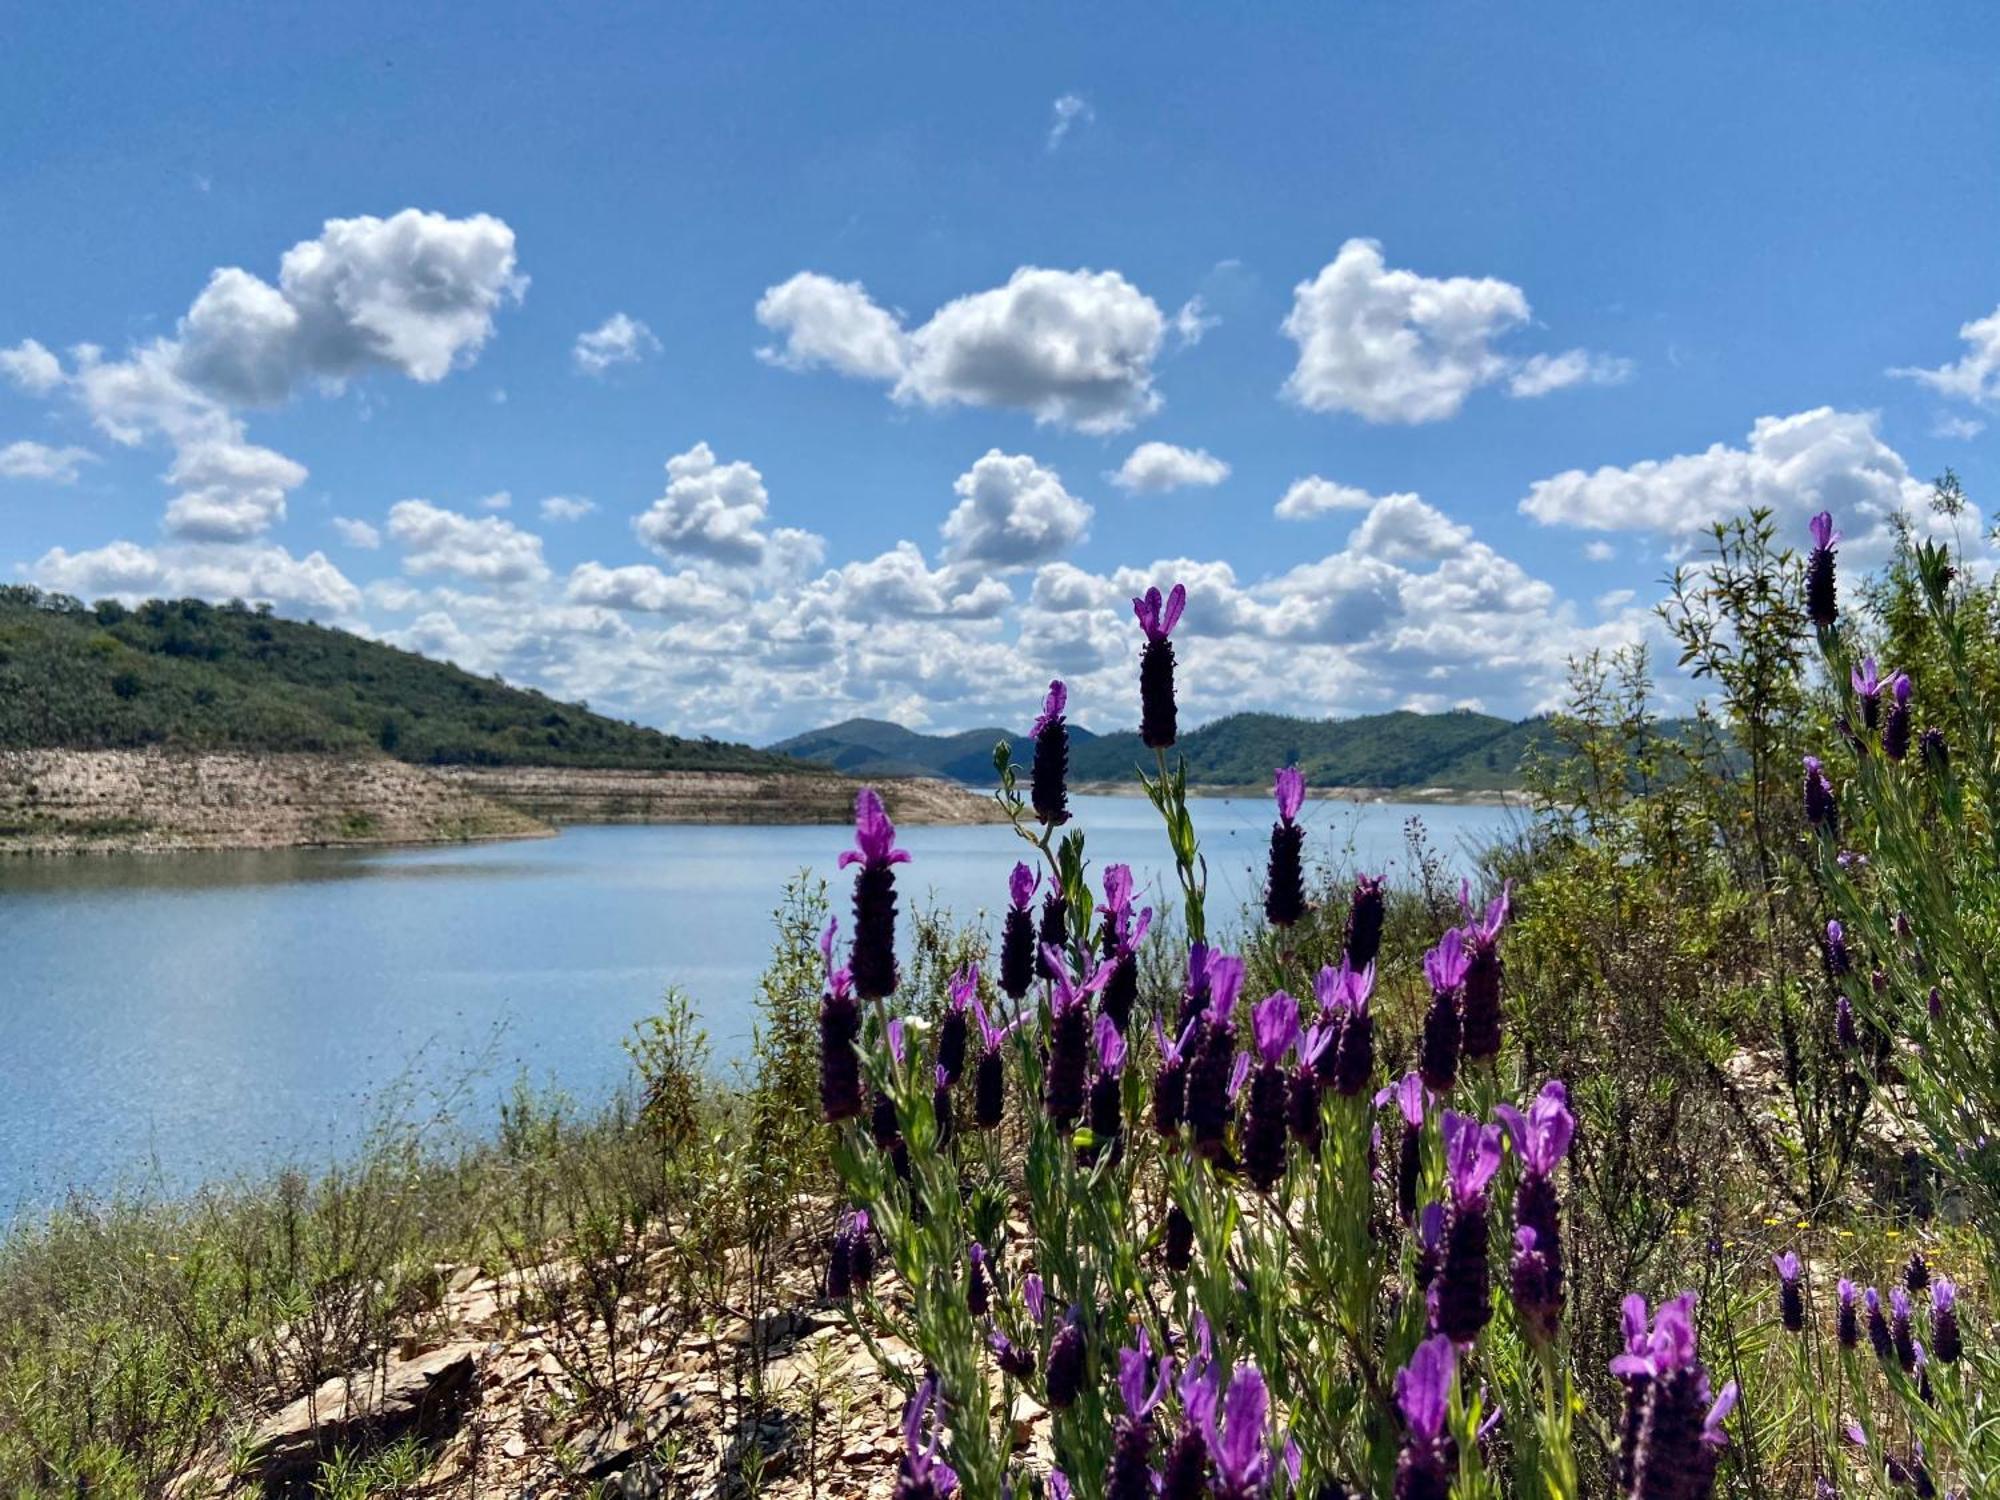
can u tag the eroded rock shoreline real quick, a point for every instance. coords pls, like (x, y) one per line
(157, 801)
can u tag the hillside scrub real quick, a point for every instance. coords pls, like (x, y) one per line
(1658, 1164)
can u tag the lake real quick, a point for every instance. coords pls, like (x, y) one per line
(170, 1019)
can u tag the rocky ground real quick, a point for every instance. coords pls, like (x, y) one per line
(502, 1402)
(126, 801)
(563, 795)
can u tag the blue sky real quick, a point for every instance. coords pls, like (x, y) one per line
(1526, 295)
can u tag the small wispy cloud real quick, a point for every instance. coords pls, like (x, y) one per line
(1070, 110)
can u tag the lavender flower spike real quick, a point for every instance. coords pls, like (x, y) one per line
(1822, 810)
(1275, 1024)
(1896, 727)
(1867, 685)
(1214, 1061)
(872, 960)
(923, 1475)
(1484, 974)
(1423, 1393)
(1364, 922)
(1791, 1301)
(1142, 1386)
(1822, 605)
(953, 1029)
(1673, 1434)
(1285, 886)
(1158, 718)
(1048, 785)
(1444, 967)
(1464, 1286)
(1946, 1342)
(1541, 1139)
(1017, 934)
(839, 1030)
(989, 1080)
(1240, 1445)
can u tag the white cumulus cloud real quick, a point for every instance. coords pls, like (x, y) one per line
(1069, 111)
(1814, 460)
(566, 508)
(1975, 375)
(1072, 348)
(484, 548)
(261, 573)
(31, 367)
(619, 340)
(1012, 513)
(1314, 496)
(1153, 467)
(1391, 345)
(228, 491)
(30, 460)
(356, 533)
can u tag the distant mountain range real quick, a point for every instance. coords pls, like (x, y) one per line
(1460, 751)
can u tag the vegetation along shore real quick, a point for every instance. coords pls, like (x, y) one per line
(1657, 1162)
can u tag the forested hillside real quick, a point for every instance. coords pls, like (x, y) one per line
(192, 675)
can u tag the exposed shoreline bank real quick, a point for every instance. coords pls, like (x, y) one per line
(1435, 796)
(61, 802)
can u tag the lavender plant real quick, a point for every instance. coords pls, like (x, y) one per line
(1258, 1297)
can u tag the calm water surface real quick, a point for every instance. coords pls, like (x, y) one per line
(172, 1018)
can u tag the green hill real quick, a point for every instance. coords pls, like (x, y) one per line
(1462, 751)
(198, 676)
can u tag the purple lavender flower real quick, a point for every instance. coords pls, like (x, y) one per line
(1917, 1272)
(1157, 617)
(1034, 1296)
(852, 1262)
(1847, 1327)
(1200, 1388)
(1170, 1077)
(1065, 1380)
(1010, 1356)
(1933, 751)
(989, 1079)
(1410, 1095)
(923, 1475)
(1423, 1393)
(1343, 993)
(839, 1030)
(1791, 1300)
(1122, 939)
(1673, 1433)
(941, 1110)
(1835, 951)
(1208, 1092)
(1429, 1248)
(978, 1290)
(1902, 1337)
(1048, 781)
(1053, 932)
(1879, 1337)
(883, 1125)
(1484, 972)
(1275, 1024)
(1867, 685)
(1069, 1038)
(1821, 605)
(1464, 1286)
(1177, 1239)
(1945, 1340)
(1364, 922)
(1896, 727)
(1444, 967)
(1107, 1118)
(1285, 881)
(1822, 808)
(1240, 1445)
(1844, 1029)
(872, 960)
(1537, 1287)
(1142, 1385)
(953, 1029)
(1541, 1140)
(1017, 933)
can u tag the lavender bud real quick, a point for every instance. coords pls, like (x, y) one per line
(1169, 1096)
(1879, 1337)
(1011, 1357)
(978, 1290)
(941, 1111)
(1536, 1287)
(1285, 882)
(1931, 747)
(1896, 728)
(952, 1033)
(1822, 808)
(1354, 1053)
(1208, 1108)
(1107, 1119)
(1264, 1128)
(839, 1063)
(1186, 1474)
(1822, 606)
(1048, 785)
(1834, 950)
(1364, 923)
(839, 1270)
(1129, 1476)
(1305, 1118)
(1409, 1171)
(1065, 1376)
(1054, 932)
(989, 1091)
(1791, 1300)
(1846, 1328)
(1844, 1029)
(1178, 1247)
(1069, 1057)
(1901, 1334)
(1946, 1342)
(1917, 1273)
(1157, 616)
(1465, 1283)
(872, 961)
(1121, 990)
(1438, 1059)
